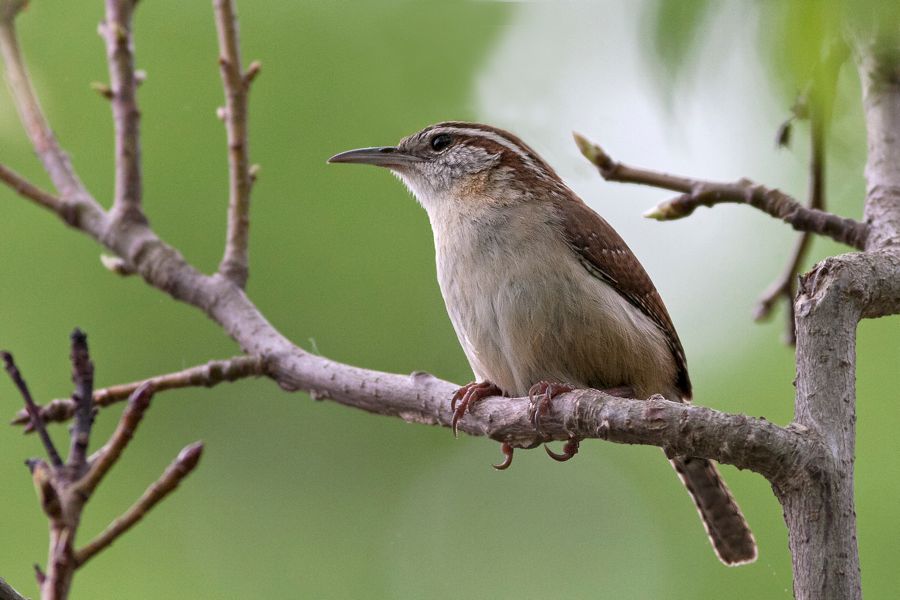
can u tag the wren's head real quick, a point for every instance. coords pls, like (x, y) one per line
(448, 161)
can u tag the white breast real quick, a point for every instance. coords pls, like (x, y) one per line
(526, 310)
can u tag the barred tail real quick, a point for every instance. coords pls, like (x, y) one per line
(727, 529)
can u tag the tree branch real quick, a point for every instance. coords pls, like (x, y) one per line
(697, 192)
(206, 375)
(810, 463)
(83, 377)
(785, 285)
(419, 398)
(33, 413)
(879, 70)
(181, 467)
(8, 593)
(126, 117)
(26, 189)
(107, 456)
(55, 161)
(235, 264)
(816, 104)
(64, 489)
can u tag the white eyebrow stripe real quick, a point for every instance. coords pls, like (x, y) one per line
(494, 137)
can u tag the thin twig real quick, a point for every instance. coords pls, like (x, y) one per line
(180, 468)
(815, 104)
(126, 116)
(103, 460)
(785, 286)
(55, 160)
(26, 189)
(235, 262)
(83, 378)
(207, 375)
(36, 422)
(697, 192)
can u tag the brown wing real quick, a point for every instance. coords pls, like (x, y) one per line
(606, 256)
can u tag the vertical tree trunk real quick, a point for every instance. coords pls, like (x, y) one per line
(818, 501)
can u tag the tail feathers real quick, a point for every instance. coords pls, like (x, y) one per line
(725, 525)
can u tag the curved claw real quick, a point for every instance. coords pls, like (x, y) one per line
(457, 396)
(507, 451)
(541, 395)
(465, 397)
(569, 450)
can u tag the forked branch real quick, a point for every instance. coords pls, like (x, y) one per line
(65, 488)
(181, 467)
(55, 160)
(696, 192)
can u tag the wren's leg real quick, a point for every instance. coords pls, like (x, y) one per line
(542, 394)
(466, 396)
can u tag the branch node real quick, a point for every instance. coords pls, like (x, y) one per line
(102, 89)
(252, 71)
(117, 265)
(9, 9)
(181, 467)
(42, 477)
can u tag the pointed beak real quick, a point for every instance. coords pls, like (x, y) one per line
(383, 156)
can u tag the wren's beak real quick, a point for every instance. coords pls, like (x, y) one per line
(384, 156)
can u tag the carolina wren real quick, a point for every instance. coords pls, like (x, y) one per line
(542, 291)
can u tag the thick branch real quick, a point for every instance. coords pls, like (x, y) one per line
(126, 117)
(824, 552)
(207, 375)
(879, 71)
(181, 467)
(235, 265)
(696, 193)
(746, 442)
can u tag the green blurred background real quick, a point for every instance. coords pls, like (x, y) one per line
(296, 498)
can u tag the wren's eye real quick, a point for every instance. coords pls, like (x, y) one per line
(440, 141)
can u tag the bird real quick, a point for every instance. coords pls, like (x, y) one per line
(544, 295)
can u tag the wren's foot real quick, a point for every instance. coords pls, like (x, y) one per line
(569, 450)
(542, 394)
(507, 451)
(467, 395)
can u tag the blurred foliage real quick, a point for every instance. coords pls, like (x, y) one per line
(298, 498)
